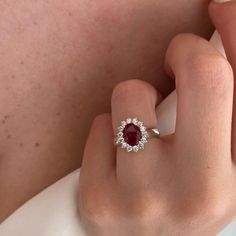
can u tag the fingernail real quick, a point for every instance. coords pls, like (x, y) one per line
(221, 1)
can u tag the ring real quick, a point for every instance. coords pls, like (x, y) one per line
(133, 135)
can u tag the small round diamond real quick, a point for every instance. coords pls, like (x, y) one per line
(120, 140)
(142, 128)
(120, 134)
(144, 140)
(129, 149)
(141, 145)
(123, 124)
(145, 134)
(124, 145)
(135, 148)
(120, 128)
(128, 120)
(140, 123)
(135, 121)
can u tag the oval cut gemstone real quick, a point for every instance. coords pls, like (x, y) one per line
(132, 134)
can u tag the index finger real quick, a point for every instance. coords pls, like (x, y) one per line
(224, 18)
(204, 81)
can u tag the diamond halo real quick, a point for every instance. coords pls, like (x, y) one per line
(132, 135)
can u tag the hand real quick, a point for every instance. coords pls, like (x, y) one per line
(183, 184)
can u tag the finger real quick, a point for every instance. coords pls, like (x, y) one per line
(204, 82)
(99, 154)
(224, 18)
(132, 99)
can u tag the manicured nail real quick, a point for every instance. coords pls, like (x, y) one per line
(221, 1)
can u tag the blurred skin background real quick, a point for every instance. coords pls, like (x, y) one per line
(59, 63)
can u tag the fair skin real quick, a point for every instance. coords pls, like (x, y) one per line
(183, 184)
(59, 63)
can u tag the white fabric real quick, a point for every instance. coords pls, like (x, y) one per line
(53, 212)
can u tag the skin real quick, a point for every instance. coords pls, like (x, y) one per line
(59, 63)
(183, 184)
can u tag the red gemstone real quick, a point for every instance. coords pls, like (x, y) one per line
(132, 134)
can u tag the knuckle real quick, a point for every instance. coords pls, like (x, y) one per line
(209, 71)
(204, 68)
(131, 88)
(180, 40)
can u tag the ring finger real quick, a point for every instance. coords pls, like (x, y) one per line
(132, 99)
